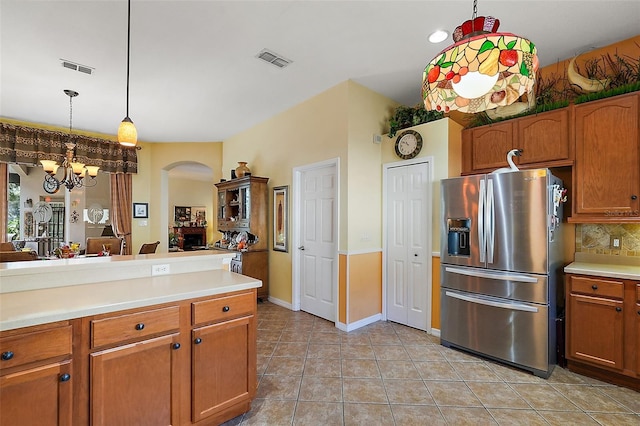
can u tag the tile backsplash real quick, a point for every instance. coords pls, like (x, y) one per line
(597, 239)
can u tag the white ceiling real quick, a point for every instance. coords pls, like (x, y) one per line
(194, 75)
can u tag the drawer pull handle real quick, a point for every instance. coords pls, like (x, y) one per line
(176, 346)
(65, 377)
(634, 197)
(225, 309)
(6, 356)
(618, 309)
(140, 326)
(595, 287)
(197, 341)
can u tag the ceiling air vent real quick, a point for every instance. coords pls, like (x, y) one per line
(77, 67)
(273, 58)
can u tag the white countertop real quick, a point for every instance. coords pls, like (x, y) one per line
(49, 303)
(605, 266)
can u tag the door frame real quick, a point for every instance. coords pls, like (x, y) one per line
(429, 220)
(297, 223)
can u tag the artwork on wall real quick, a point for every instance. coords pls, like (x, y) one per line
(140, 210)
(182, 214)
(199, 215)
(280, 218)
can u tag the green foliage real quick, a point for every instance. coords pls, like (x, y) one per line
(405, 117)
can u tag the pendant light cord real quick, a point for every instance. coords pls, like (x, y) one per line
(474, 15)
(70, 112)
(128, 50)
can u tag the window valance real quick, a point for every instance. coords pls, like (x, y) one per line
(27, 145)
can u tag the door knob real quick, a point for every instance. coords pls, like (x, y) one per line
(415, 254)
(301, 248)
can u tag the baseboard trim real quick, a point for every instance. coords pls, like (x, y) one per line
(358, 324)
(281, 303)
(435, 332)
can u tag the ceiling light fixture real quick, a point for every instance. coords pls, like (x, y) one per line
(127, 133)
(74, 171)
(483, 70)
(438, 36)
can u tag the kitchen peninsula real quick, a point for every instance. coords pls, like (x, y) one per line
(151, 339)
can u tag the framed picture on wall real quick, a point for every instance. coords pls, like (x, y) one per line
(140, 210)
(182, 214)
(280, 218)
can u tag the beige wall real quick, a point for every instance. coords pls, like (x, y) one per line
(151, 185)
(338, 123)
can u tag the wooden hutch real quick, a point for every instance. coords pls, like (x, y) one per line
(242, 206)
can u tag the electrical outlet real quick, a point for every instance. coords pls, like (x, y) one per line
(160, 269)
(616, 242)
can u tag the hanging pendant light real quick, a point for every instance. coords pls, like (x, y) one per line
(127, 133)
(483, 70)
(74, 172)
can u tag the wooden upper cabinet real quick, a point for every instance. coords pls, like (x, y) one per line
(545, 138)
(485, 148)
(606, 177)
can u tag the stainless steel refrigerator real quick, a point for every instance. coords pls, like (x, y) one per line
(501, 256)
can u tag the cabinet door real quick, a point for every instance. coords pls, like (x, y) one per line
(606, 170)
(223, 366)
(490, 146)
(221, 204)
(37, 396)
(596, 330)
(244, 213)
(136, 384)
(544, 138)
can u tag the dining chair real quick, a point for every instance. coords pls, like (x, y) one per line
(95, 245)
(148, 248)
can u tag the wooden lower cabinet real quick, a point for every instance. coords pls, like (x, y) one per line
(222, 378)
(136, 384)
(36, 376)
(603, 328)
(596, 330)
(37, 396)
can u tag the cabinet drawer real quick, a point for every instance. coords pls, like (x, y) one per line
(37, 346)
(134, 326)
(223, 308)
(597, 287)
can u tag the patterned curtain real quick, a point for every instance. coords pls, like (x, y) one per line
(26, 145)
(4, 201)
(121, 208)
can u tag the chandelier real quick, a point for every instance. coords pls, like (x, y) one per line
(483, 70)
(73, 171)
(127, 133)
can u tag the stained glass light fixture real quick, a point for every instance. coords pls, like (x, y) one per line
(482, 70)
(127, 133)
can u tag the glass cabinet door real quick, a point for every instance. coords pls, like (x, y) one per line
(221, 204)
(245, 203)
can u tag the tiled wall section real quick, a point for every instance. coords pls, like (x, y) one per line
(596, 239)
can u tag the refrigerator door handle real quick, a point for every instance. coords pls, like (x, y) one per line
(492, 303)
(481, 274)
(481, 234)
(490, 222)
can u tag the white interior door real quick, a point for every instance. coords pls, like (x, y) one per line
(408, 257)
(318, 242)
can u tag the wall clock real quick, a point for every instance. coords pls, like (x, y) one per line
(408, 144)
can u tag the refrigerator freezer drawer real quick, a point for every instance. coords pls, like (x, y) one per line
(514, 332)
(507, 285)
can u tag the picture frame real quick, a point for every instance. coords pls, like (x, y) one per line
(281, 218)
(140, 210)
(182, 214)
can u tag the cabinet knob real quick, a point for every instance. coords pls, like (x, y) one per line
(65, 377)
(197, 341)
(634, 197)
(176, 346)
(6, 356)
(595, 287)
(140, 326)
(225, 309)
(618, 309)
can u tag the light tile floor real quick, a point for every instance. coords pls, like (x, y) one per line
(311, 373)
